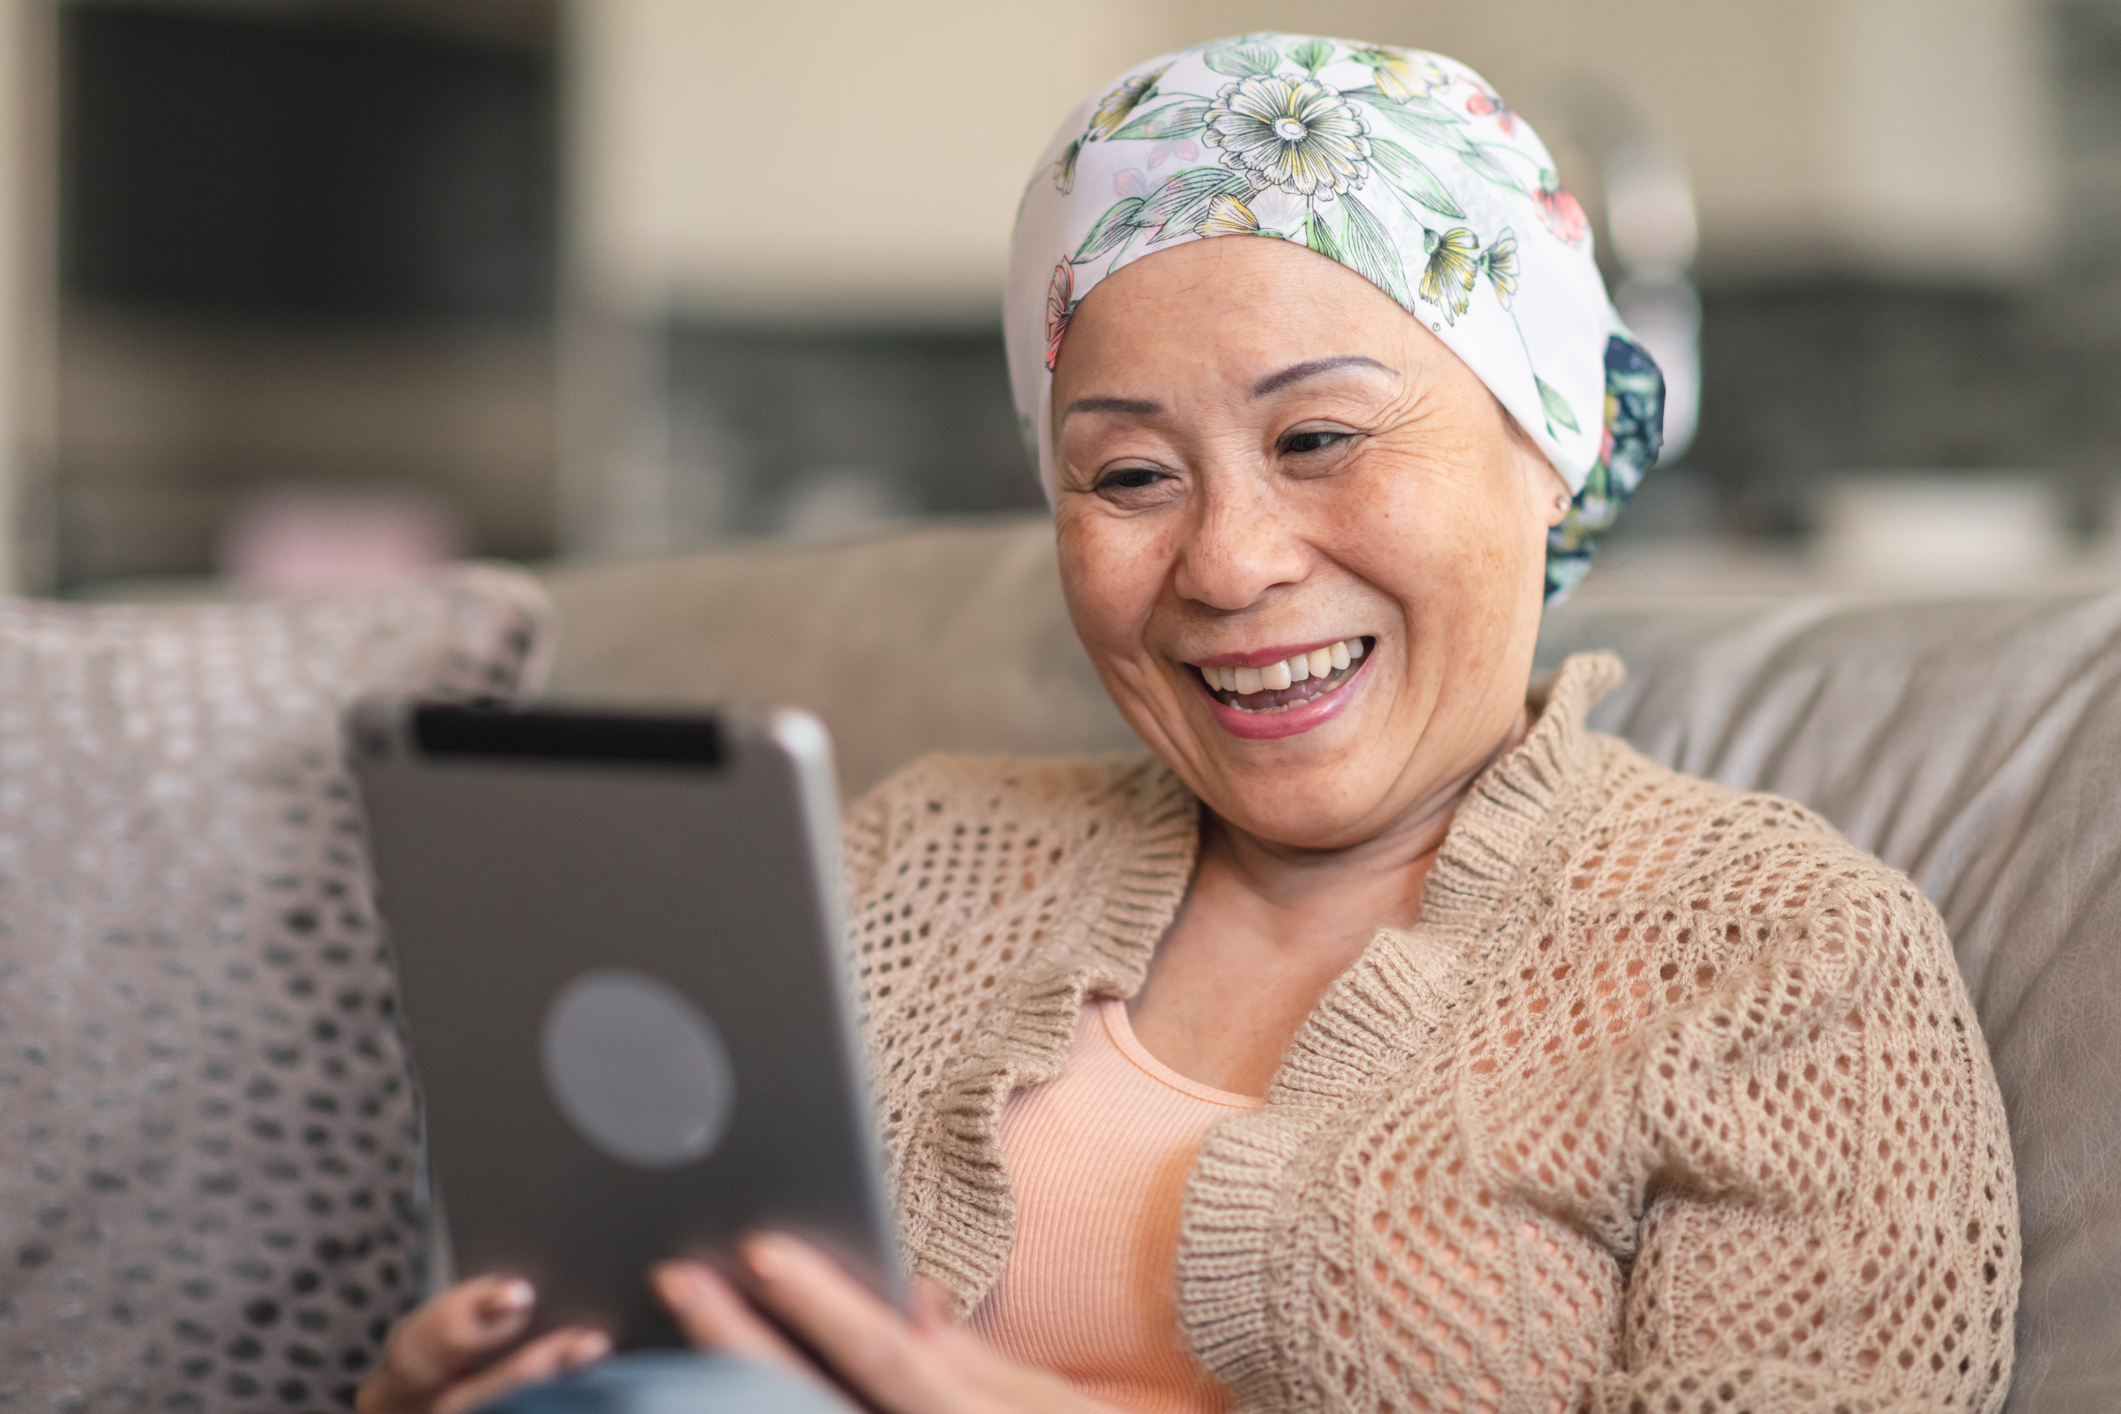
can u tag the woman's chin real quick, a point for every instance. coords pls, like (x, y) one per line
(1298, 819)
(1327, 789)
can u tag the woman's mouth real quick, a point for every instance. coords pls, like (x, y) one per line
(1288, 683)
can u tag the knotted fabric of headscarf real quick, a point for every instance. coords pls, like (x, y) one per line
(1402, 165)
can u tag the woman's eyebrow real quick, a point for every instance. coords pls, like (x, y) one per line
(1136, 406)
(1297, 372)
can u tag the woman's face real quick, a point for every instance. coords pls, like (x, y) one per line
(1260, 457)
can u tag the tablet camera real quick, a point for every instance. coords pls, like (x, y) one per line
(639, 1070)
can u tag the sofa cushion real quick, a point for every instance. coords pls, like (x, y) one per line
(207, 1183)
(952, 637)
(1976, 745)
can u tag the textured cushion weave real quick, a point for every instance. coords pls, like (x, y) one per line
(206, 1185)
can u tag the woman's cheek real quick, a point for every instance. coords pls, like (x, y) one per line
(1110, 582)
(1402, 543)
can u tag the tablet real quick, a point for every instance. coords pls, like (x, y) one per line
(618, 941)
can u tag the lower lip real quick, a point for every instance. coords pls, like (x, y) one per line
(1290, 721)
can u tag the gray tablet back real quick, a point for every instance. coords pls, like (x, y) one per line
(619, 946)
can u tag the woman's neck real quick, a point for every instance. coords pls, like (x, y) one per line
(1265, 929)
(1350, 891)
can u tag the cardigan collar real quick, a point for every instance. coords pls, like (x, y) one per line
(1371, 1023)
(1493, 832)
(1509, 805)
(1151, 824)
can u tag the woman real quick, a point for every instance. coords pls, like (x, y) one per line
(1388, 1040)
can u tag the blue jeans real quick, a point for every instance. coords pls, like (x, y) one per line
(672, 1382)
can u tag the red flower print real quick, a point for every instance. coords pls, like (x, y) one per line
(1483, 103)
(1562, 213)
(1060, 303)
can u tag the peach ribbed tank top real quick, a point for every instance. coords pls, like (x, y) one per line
(1099, 1157)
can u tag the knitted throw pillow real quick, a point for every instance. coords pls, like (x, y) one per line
(207, 1144)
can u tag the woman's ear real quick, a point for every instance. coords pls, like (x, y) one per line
(1549, 493)
(1553, 492)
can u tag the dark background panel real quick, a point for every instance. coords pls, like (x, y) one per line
(339, 167)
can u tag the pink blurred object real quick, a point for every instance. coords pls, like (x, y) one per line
(298, 539)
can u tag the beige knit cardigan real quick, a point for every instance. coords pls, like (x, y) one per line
(1671, 1100)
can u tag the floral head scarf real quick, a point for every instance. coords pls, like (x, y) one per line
(1403, 166)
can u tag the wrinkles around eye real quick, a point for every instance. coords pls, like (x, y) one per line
(1309, 440)
(1128, 478)
(1312, 450)
(1135, 488)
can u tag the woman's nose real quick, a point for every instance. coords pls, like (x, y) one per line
(1238, 547)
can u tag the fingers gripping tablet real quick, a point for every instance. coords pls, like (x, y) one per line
(619, 947)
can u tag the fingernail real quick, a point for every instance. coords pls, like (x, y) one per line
(593, 1346)
(684, 1275)
(509, 1298)
(767, 1258)
(678, 1280)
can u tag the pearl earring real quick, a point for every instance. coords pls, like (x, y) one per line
(1561, 503)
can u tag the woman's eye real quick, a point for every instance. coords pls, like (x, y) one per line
(1312, 440)
(1129, 478)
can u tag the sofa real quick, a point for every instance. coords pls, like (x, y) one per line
(209, 1191)
(1974, 743)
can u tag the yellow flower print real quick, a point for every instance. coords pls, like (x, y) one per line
(1454, 264)
(1300, 136)
(1500, 263)
(1064, 170)
(1121, 102)
(1401, 75)
(1227, 216)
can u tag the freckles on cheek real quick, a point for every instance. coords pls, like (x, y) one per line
(1449, 561)
(1399, 539)
(1111, 580)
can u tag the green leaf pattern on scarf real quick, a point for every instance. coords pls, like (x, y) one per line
(1346, 150)
(1277, 124)
(1178, 120)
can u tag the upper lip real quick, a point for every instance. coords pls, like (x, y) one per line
(1261, 657)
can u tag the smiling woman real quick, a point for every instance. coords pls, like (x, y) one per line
(1220, 504)
(1385, 1039)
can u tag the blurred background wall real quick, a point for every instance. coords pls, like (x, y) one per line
(353, 283)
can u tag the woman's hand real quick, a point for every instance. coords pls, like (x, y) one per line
(926, 1365)
(432, 1364)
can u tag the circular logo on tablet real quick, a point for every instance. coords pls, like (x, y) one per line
(637, 1068)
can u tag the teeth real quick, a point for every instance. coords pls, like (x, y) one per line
(1274, 677)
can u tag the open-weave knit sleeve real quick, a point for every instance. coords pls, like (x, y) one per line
(865, 841)
(1828, 1216)
(1717, 1134)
